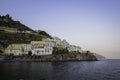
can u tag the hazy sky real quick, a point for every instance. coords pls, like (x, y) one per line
(92, 24)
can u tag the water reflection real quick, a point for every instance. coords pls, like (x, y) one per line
(96, 70)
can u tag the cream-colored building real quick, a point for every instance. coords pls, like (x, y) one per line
(37, 44)
(18, 49)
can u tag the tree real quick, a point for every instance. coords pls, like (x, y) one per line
(29, 53)
(60, 50)
(43, 33)
(87, 52)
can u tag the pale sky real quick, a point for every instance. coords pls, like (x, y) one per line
(92, 24)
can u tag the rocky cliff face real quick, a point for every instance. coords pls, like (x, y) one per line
(69, 57)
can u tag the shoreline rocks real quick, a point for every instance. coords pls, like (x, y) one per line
(53, 58)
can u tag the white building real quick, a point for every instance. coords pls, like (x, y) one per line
(26, 48)
(57, 41)
(42, 51)
(65, 44)
(42, 47)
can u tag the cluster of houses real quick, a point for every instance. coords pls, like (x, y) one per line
(44, 47)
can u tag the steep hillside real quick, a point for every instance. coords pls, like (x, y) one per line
(15, 32)
(7, 21)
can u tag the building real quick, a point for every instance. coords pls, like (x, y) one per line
(42, 51)
(42, 47)
(26, 48)
(18, 49)
(64, 44)
(57, 41)
(49, 42)
(37, 44)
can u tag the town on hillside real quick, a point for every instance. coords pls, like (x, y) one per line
(44, 47)
(18, 40)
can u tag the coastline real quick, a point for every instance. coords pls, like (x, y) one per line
(51, 58)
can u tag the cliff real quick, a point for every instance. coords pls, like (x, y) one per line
(68, 57)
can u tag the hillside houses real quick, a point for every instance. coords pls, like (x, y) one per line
(43, 47)
(14, 35)
(65, 44)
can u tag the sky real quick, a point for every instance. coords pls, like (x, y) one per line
(91, 24)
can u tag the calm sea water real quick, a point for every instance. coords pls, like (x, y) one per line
(84, 70)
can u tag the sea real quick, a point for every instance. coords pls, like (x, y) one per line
(108, 69)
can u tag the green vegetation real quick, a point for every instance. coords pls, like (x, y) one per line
(8, 38)
(43, 33)
(30, 53)
(1, 52)
(60, 50)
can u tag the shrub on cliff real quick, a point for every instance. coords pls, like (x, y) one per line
(8, 38)
(60, 51)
